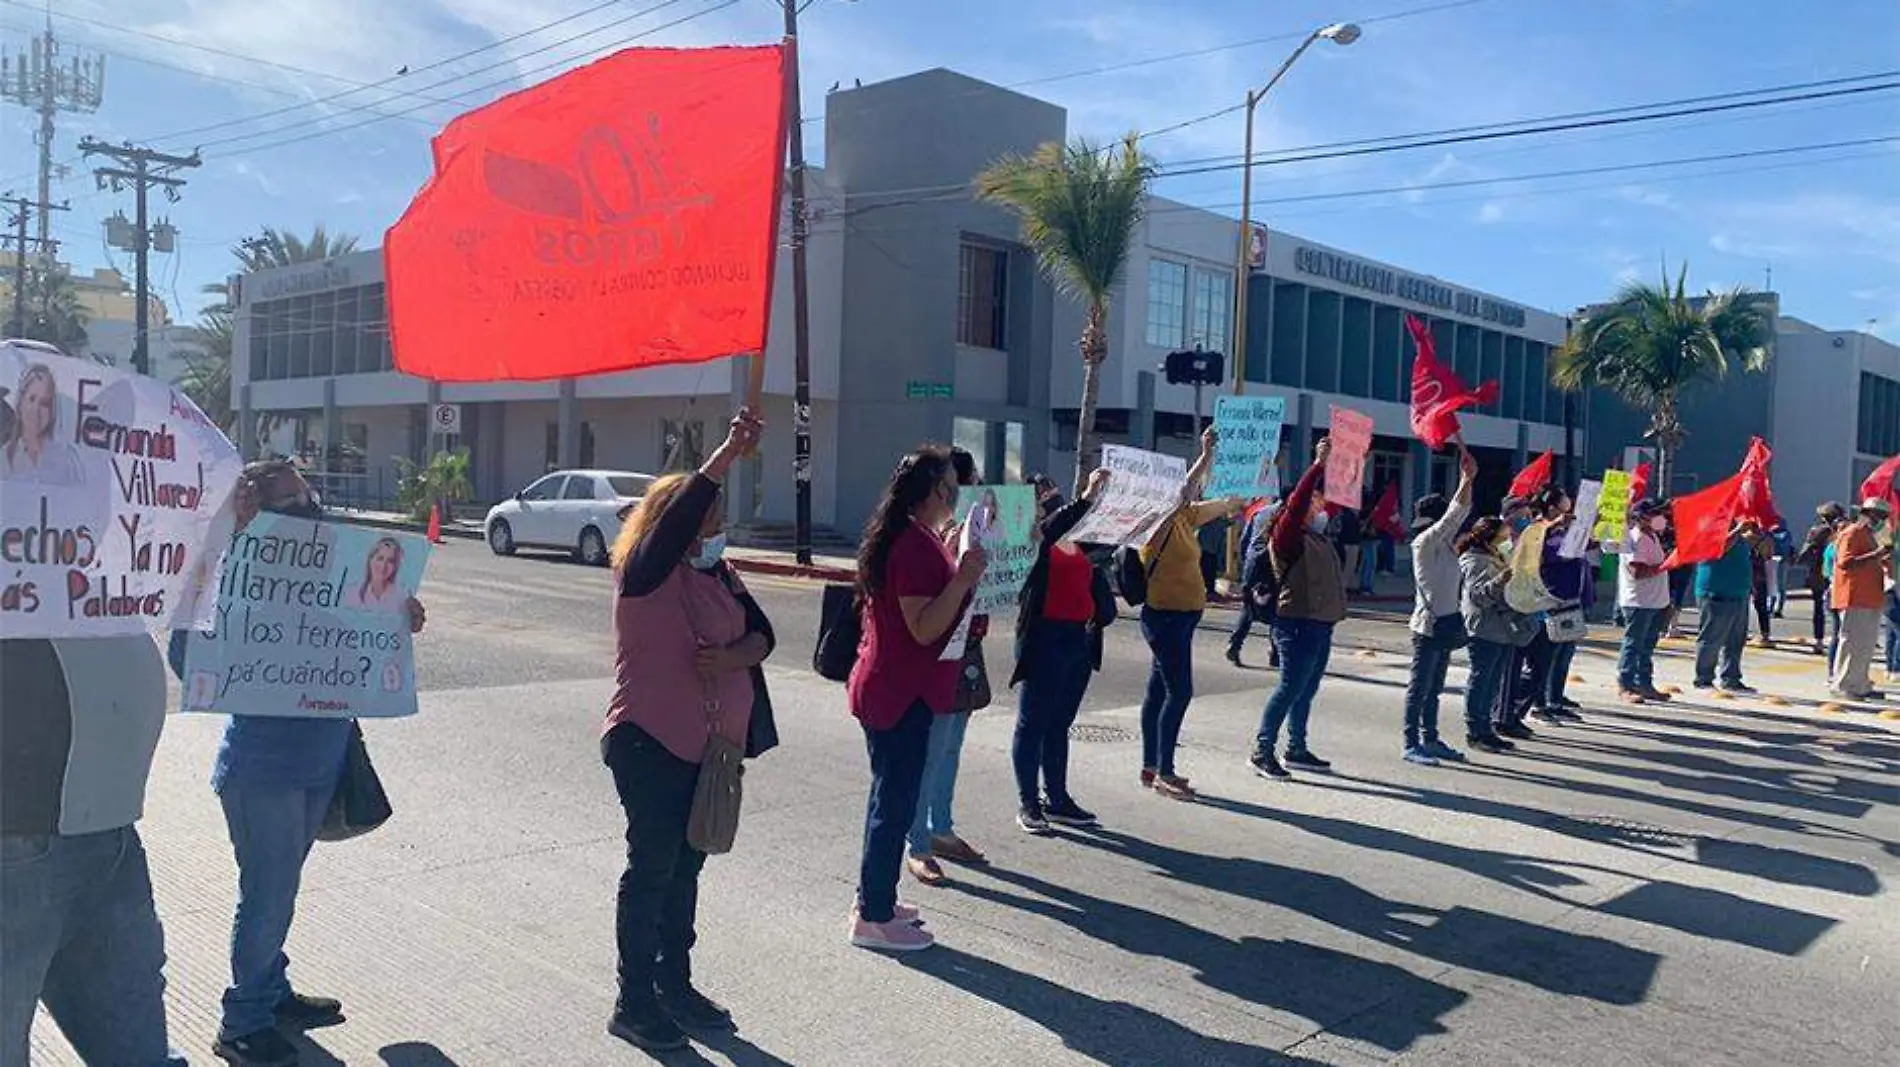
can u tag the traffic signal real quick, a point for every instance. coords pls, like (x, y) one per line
(1194, 367)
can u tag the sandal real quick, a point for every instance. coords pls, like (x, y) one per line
(925, 869)
(956, 850)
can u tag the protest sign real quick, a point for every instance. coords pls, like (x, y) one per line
(312, 622)
(1583, 520)
(109, 483)
(1248, 428)
(1143, 489)
(1613, 505)
(1007, 534)
(1351, 435)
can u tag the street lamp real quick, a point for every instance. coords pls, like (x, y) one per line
(1340, 33)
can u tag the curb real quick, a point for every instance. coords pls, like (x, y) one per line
(792, 570)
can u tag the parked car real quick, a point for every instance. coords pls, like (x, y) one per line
(573, 511)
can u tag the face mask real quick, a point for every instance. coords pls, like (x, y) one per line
(711, 550)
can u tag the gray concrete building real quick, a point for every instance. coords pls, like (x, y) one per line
(929, 322)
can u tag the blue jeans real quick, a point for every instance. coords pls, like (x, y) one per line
(1636, 664)
(939, 786)
(1170, 636)
(1431, 659)
(1491, 661)
(1562, 656)
(1721, 639)
(1305, 646)
(1368, 563)
(78, 931)
(897, 774)
(1893, 632)
(1046, 705)
(272, 830)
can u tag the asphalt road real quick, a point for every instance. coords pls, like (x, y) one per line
(1701, 884)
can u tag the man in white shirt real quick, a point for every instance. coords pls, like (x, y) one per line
(1642, 594)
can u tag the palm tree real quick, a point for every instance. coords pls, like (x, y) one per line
(207, 375)
(279, 248)
(53, 311)
(1081, 207)
(1654, 341)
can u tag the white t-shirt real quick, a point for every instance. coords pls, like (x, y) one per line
(1641, 546)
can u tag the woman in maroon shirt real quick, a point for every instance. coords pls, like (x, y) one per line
(912, 594)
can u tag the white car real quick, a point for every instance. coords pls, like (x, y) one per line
(573, 511)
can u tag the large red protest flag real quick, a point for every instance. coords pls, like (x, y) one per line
(1532, 478)
(623, 215)
(1754, 499)
(1883, 483)
(1385, 514)
(1703, 520)
(1437, 392)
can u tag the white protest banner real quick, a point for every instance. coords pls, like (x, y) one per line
(1613, 506)
(312, 622)
(1143, 489)
(109, 483)
(1351, 435)
(1583, 521)
(1248, 432)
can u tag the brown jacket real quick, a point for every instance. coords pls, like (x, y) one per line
(1311, 584)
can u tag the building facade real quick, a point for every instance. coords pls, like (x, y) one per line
(929, 322)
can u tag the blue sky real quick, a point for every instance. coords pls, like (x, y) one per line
(1828, 222)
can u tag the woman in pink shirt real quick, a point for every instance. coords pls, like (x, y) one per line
(687, 637)
(912, 593)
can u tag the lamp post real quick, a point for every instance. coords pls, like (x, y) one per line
(1340, 33)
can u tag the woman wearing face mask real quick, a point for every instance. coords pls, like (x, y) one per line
(1643, 594)
(1312, 602)
(687, 636)
(911, 592)
(1569, 581)
(933, 834)
(274, 777)
(1497, 631)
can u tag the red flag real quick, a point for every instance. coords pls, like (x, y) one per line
(1437, 394)
(1702, 522)
(1532, 478)
(1756, 500)
(1883, 483)
(623, 215)
(1385, 514)
(1639, 483)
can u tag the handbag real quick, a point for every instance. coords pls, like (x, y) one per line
(713, 823)
(359, 804)
(1448, 631)
(840, 630)
(1133, 575)
(1566, 626)
(973, 679)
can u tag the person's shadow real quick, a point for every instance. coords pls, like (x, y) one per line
(1114, 1033)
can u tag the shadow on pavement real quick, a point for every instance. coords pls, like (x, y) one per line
(414, 1054)
(1719, 916)
(1113, 1033)
(1557, 961)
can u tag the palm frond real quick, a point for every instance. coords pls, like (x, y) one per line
(1080, 207)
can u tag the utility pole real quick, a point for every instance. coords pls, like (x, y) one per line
(801, 312)
(142, 168)
(37, 81)
(23, 212)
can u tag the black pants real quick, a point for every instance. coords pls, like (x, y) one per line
(1762, 613)
(897, 777)
(1821, 600)
(1529, 684)
(659, 891)
(1047, 702)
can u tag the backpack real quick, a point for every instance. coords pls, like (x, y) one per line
(1132, 574)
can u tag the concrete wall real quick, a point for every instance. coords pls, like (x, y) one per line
(1818, 378)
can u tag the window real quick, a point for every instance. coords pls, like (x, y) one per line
(629, 485)
(1879, 430)
(1213, 310)
(548, 488)
(973, 436)
(579, 487)
(982, 288)
(1167, 303)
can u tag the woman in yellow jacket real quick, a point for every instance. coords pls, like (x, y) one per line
(1169, 617)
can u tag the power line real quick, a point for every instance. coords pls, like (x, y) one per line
(509, 62)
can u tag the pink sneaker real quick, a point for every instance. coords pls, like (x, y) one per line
(900, 913)
(893, 936)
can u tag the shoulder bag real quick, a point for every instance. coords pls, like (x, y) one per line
(973, 679)
(1134, 575)
(713, 823)
(840, 630)
(359, 804)
(1566, 625)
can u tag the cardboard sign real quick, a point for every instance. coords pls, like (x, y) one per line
(109, 487)
(1584, 519)
(1249, 431)
(1007, 533)
(312, 622)
(1143, 489)
(1613, 506)
(1351, 435)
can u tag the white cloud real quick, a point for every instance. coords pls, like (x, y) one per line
(244, 168)
(1491, 212)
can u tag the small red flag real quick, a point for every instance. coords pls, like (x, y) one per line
(1532, 478)
(620, 216)
(1385, 514)
(1755, 500)
(1639, 483)
(1883, 483)
(1437, 393)
(1702, 522)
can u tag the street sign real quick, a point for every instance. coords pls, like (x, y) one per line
(919, 390)
(445, 419)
